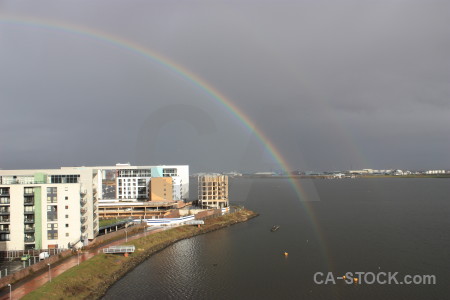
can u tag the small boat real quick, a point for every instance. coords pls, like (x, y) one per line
(275, 228)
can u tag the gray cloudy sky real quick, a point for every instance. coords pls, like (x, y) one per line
(333, 84)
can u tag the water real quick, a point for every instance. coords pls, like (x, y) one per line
(371, 225)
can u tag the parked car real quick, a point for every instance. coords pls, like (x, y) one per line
(25, 257)
(43, 255)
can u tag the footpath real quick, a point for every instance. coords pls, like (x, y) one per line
(31, 283)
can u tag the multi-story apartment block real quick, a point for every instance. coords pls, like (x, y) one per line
(213, 191)
(133, 182)
(42, 209)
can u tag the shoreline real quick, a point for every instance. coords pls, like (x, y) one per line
(93, 278)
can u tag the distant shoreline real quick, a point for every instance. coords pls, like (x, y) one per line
(355, 176)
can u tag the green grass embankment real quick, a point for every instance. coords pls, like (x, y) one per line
(92, 278)
(110, 222)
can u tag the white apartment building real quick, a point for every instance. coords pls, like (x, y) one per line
(132, 182)
(42, 209)
(58, 208)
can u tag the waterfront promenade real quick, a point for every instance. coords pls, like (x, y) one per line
(24, 287)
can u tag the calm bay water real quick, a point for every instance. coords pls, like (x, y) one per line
(348, 225)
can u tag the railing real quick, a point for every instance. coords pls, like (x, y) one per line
(23, 182)
(4, 230)
(4, 211)
(28, 202)
(28, 212)
(28, 221)
(4, 220)
(29, 240)
(119, 249)
(29, 229)
(5, 203)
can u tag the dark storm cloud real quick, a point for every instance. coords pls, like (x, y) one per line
(333, 84)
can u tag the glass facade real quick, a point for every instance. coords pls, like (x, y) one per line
(64, 178)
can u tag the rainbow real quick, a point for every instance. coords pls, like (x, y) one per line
(184, 73)
(165, 62)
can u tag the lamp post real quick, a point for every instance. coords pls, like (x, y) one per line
(9, 284)
(49, 274)
(126, 236)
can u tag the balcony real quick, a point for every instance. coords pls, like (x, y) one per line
(83, 220)
(83, 202)
(29, 239)
(4, 230)
(29, 212)
(4, 211)
(5, 202)
(29, 229)
(83, 228)
(83, 210)
(83, 192)
(28, 201)
(28, 221)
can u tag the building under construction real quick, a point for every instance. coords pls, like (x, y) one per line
(213, 191)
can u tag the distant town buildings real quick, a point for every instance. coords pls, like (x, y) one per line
(213, 191)
(436, 172)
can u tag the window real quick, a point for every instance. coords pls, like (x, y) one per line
(29, 208)
(169, 172)
(67, 225)
(67, 206)
(52, 231)
(29, 190)
(51, 195)
(4, 236)
(67, 216)
(52, 213)
(64, 178)
(67, 234)
(66, 198)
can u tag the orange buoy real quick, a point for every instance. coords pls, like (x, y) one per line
(126, 254)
